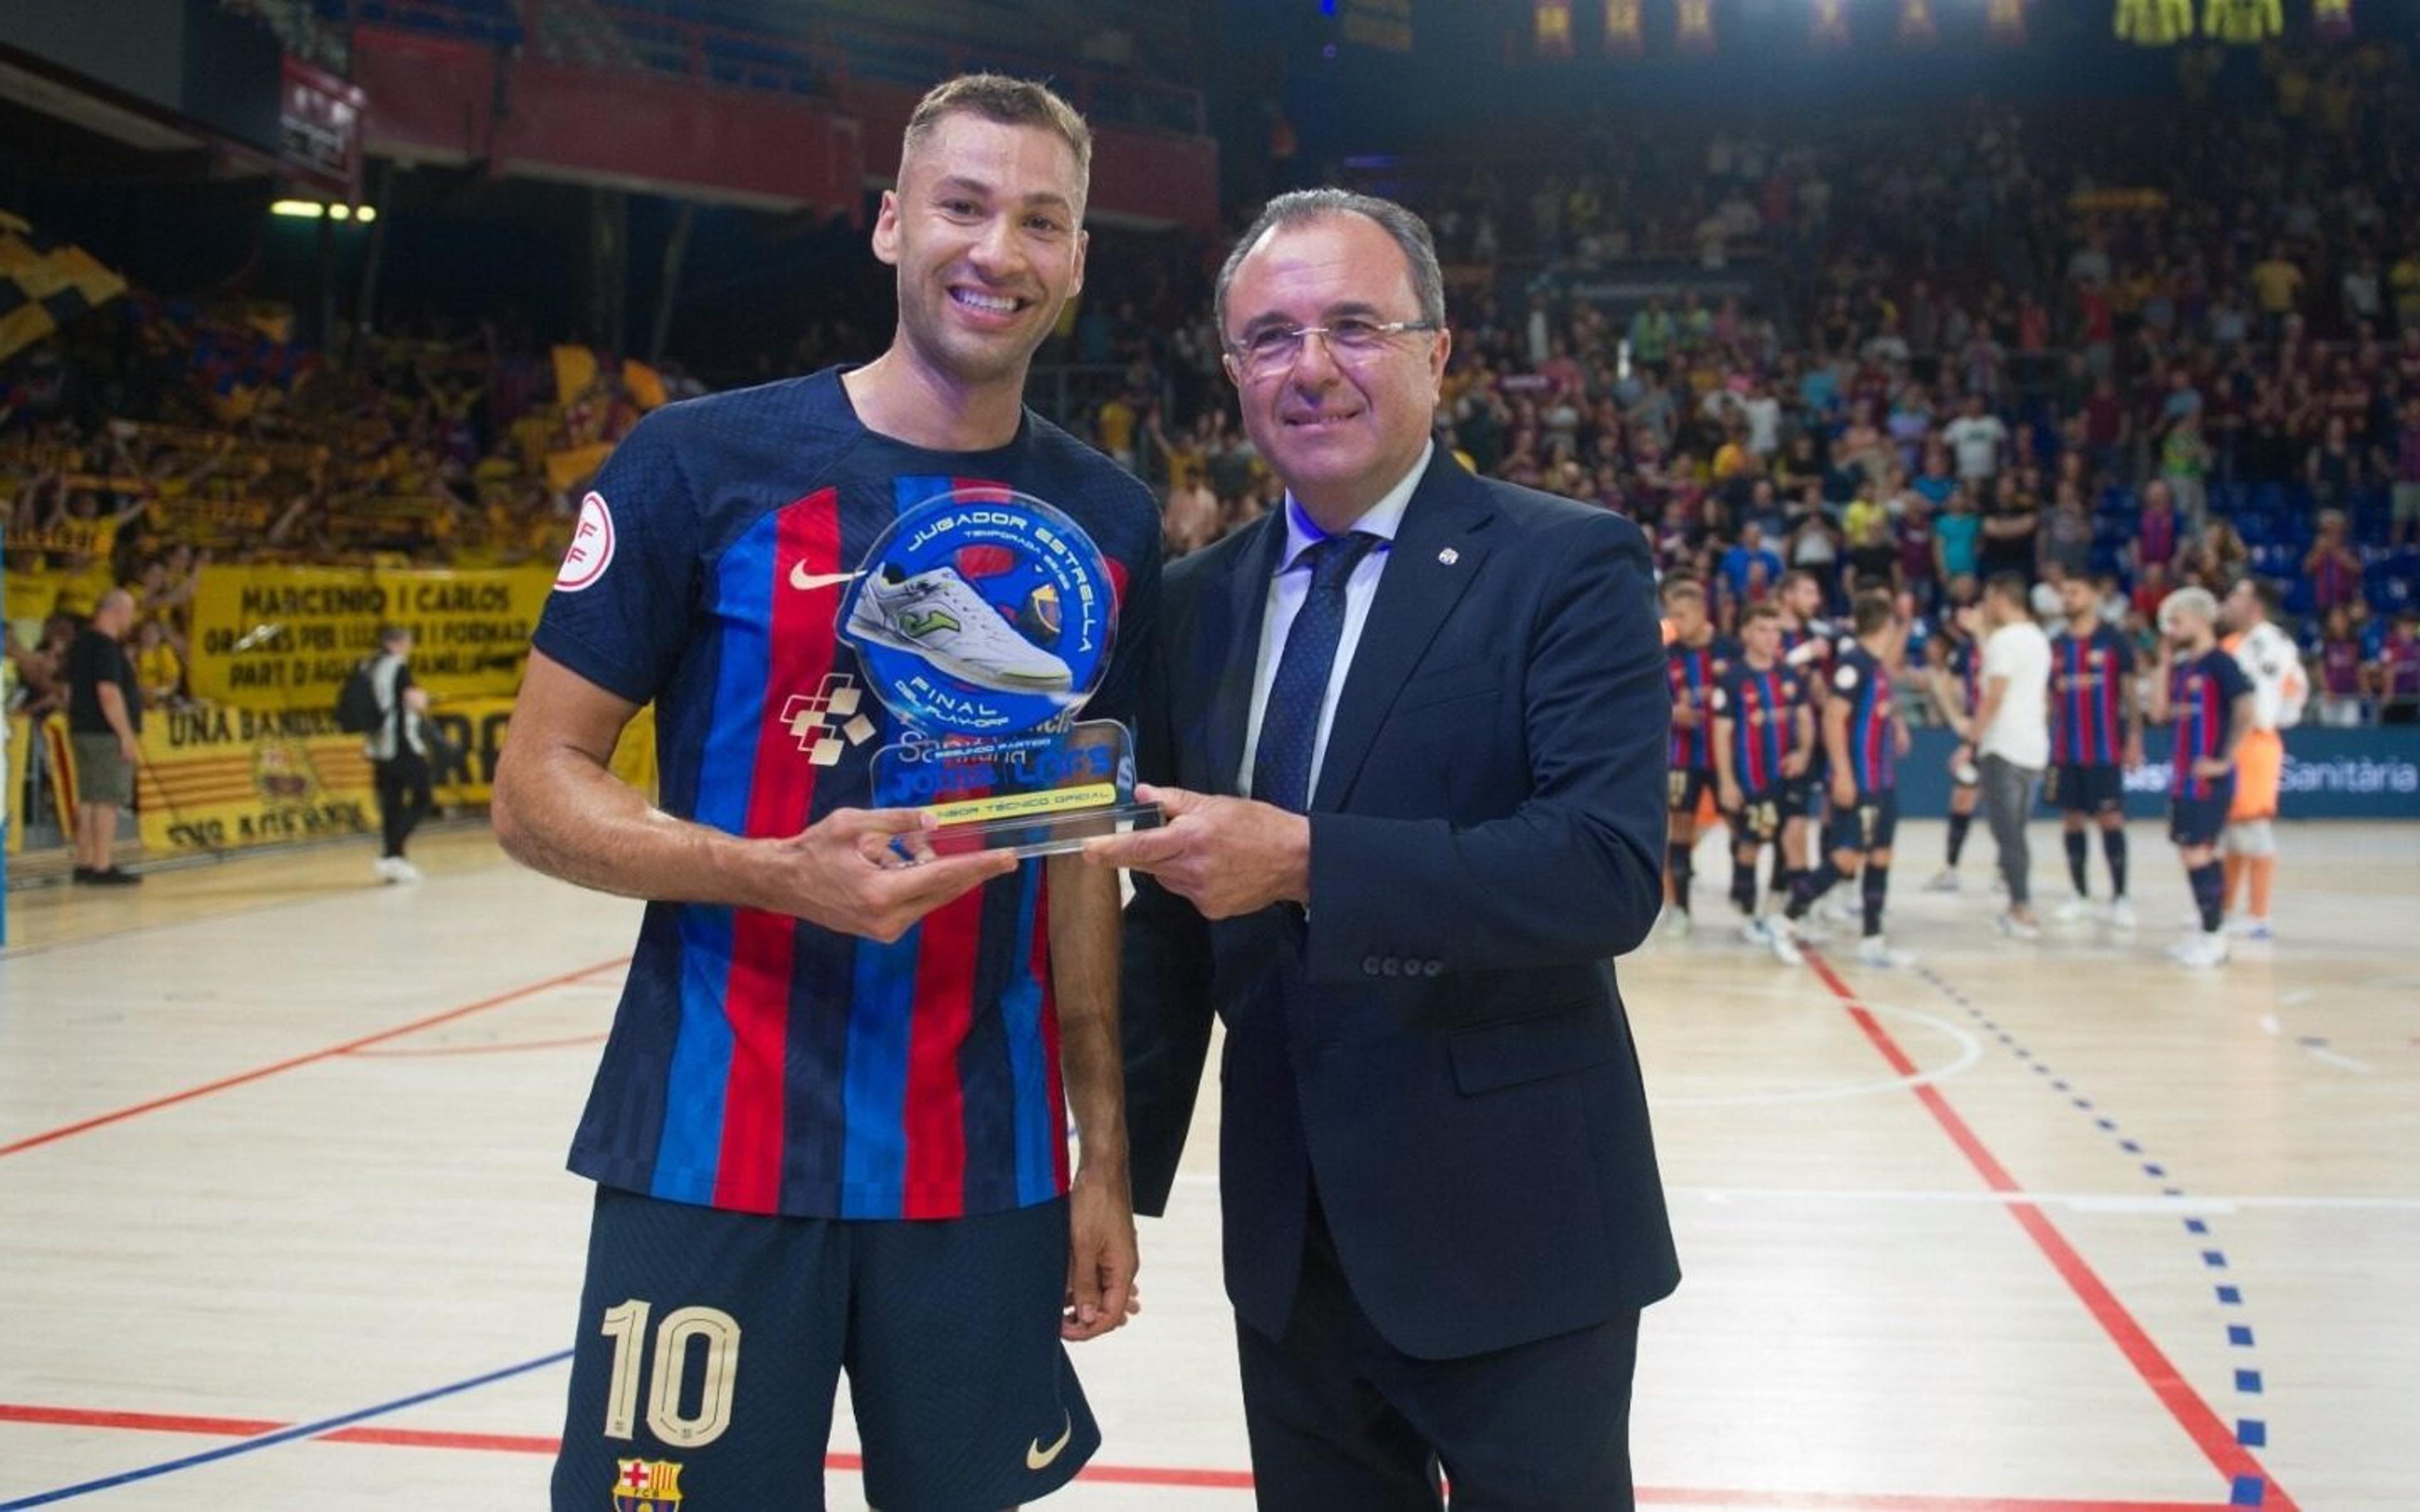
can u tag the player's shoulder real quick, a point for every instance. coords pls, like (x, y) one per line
(804, 411)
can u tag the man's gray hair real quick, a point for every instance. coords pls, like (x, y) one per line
(1303, 205)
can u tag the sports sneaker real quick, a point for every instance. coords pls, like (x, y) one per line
(1677, 925)
(936, 615)
(2248, 928)
(1783, 937)
(2073, 911)
(402, 870)
(2017, 929)
(2121, 914)
(2200, 950)
(1756, 931)
(1873, 952)
(1839, 908)
(1809, 931)
(1944, 880)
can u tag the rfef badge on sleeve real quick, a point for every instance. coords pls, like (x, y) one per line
(984, 618)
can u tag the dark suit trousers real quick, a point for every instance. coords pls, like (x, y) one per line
(1341, 1421)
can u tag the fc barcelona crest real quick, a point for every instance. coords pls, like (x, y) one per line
(647, 1485)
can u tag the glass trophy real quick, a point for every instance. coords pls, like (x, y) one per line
(984, 618)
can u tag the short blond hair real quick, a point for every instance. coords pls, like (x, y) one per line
(1008, 101)
(2195, 602)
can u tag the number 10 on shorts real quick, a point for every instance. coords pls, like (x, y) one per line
(627, 1326)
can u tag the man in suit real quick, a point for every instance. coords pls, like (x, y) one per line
(1410, 732)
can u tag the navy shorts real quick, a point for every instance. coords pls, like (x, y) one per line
(1871, 826)
(1761, 815)
(2100, 788)
(2194, 823)
(1802, 796)
(1685, 786)
(710, 1345)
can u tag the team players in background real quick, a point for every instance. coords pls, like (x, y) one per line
(2204, 690)
(1752, 725)
(2096, 733)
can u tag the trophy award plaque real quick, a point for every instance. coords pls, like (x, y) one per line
(984, 618)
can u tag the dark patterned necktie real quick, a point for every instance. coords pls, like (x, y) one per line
(1290, 724)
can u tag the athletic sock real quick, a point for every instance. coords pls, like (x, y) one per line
(2210, 890)
(1959, 824)
(1677, 864)
(1779, 885)
(1807, 885)
(1874, 886)
(2077, 852)
(2113, 845)
(1743, 883)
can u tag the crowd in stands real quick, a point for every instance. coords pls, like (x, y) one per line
(2152, 344)
(150, 439)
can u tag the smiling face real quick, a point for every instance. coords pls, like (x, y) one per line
(984, 229)
(1339, 428)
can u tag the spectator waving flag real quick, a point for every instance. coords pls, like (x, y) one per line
(44, 285)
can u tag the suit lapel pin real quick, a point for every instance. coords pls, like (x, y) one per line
(1449, 555)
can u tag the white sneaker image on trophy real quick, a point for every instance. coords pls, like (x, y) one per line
(939, 616)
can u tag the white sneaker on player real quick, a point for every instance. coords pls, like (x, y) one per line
(1677, 925)
(383, 868)
(1808, 931)
(2201, 949)
(1840, 908)
(1783, 935)
(2121, 914)
(2248, 928)
(2073, 911)
(1944, 880)
(399, 870)
(1873, 951)
(2017, 929)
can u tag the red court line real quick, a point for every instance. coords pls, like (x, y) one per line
(224, 1083)
(500, 1048)
(1099, 1474)
(2208, 1432)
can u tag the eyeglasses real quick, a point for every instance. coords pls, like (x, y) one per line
(1275, 349)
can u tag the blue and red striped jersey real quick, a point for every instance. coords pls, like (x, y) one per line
(759, 1062)
(2087, 697)
(2201, 699)
(1862, 682)
(1763, 708)
(1694, 671)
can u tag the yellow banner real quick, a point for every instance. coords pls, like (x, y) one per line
(566, 470)
(20, 756)
(68, 537)
(286, 637)
(221, 779)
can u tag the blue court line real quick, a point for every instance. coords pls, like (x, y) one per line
(265, 1441)
(2246, 1491)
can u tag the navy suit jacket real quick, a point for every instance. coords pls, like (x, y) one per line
(1438, 1040)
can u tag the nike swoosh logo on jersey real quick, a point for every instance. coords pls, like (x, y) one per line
(807, 582)
(1037, 1457)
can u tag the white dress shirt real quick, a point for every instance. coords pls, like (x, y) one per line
(1292, 585)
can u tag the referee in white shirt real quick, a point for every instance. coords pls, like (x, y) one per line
(2009, 730)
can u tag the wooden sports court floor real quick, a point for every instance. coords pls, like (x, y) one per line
(2055, 1228)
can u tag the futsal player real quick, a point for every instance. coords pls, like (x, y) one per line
(1807, 649)
(1695, 661)
(2201, 687)
(2269, 657)
(1864, 734)
(1764, 732)
(829, 1126)
(2096, 732)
